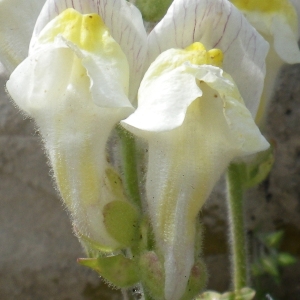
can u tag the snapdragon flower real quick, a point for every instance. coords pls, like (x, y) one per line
(75, 84)
(193, 116)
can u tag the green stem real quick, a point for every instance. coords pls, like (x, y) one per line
(129, 164)
(237, 231)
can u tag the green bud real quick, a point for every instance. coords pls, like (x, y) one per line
(121, 220)
(153, 10)
(152, 274)
(118, 270)
(286, 259)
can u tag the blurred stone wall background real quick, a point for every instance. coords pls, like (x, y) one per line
(38, 251)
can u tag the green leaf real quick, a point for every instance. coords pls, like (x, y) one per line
(121, 220)
(286, 259)
(274, 239)
(270, 266)
(118, 270)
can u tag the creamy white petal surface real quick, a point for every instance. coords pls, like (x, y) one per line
(278, 22)
(17, 19)
(65, 85)
(216, 24)
(125, 25)
(195, 123)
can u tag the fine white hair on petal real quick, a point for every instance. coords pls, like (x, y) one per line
(216, 24)
(124, 22)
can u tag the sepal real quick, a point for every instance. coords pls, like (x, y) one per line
(152, 274)
(118, 270)
(121, 220)
(196, 282)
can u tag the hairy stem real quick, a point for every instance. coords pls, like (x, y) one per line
(236, 230)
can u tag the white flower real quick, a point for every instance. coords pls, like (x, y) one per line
(78, 81)
(195, 121)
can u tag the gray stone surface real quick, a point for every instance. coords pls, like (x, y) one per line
(38, 250)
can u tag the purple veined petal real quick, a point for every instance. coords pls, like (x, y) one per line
(216, 24)
(124, 22)
(17, 19)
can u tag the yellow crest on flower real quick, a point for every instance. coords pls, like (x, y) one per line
(197, 54)
(88, 31)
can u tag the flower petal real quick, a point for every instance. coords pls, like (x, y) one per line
(164, 99)
(277, 21)
(124, 22)
(75, 132)
(102, 57)
(17, 19)
(190, 145)
(216, 24)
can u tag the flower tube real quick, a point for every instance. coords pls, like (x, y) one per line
(75, 84)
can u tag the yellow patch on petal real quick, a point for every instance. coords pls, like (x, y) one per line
(197, 54)
(87, 31)
(215, 57)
